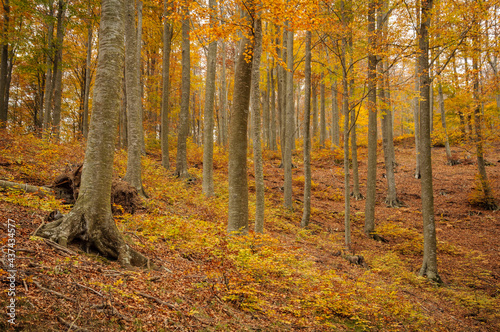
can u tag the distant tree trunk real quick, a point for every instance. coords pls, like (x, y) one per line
(442, 113)
(58, 70)
(266, 113)
(141, 93)
(335, 117)
(322, 130)
(289, 123)
(371, 180)
(283, 99)
(416, 108)
(274, 145)
(429, 265)
(237, 169)
(208, 135)
(183, 129)
(4, 65)
(488, 198)
(314, 96)
(257, 145)
(90, 221)
(123, 116)
(165, 95)
(49, 77)
(223, 98)
(90, 29)
(356, 194)
(306, 214)
(133, 89)
(345, 109)
(387, 125)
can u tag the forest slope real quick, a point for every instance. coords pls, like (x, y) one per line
(285, 280)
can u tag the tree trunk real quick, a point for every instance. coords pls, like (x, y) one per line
(257, 145)
(4, 65)
(429, 265)
(371, 180)
(335, 117)
(289, 123)
(416, 109)
(223, 98)
(274, 133)
(85, 126)
(306, 214)
(183, 129)
(237, 169)
(208, 135)
(488, 199)
(49, 86)
(165, 95)
(322, 130)
(90, 220)
(133, 88)
(141, 86)
(123, 115)
(345, 109)
(314, 96)
(58, 70)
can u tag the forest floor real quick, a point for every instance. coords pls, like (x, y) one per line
(288, 279)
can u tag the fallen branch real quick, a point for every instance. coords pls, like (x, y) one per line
(157, 300)
(37, 284)
(113, 310)
(90, 289)
(72, 326)
(26, 187)
(60, 248)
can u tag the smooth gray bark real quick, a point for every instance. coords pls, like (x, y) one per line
(165, 94)
(322, 125)
(314, 96)
(274, 133)
(429, 264)
(371, 178)
(208, 116)
(58, 70)
(223, 131)
(183, 126)
(335, 117)
(257, 145)
(49, 88)
(90, 221)
(134, 102)
(90, 29)
(4, 65)
(289, 123)
(416, 109)
(306, 213)
(237, 168)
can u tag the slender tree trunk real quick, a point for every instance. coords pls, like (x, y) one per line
(356, 194)
(165, 95)
(4, 65)
(237, 169)
(223, 98)
(274, 133)
(133, 89)
(49, 86)
(314, 96)
(141, 94)
(345, 110)
(257, 145)
(289, 123)
(90, 221)
(90, 29)
(372, 121)
(416, 108)
(306, 214)
(265, 114)
(335, 117)
(322, 130)
(429, 265)
(183, 130)
(56, 112)
(208, 135)
(123, 116)
(488, 198)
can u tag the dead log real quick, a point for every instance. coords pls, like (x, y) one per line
(26, 187)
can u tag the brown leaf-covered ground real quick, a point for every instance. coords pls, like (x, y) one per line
(288, 280)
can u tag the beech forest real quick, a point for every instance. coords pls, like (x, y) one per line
(250, 165)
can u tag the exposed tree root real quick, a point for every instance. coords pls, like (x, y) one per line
(100, 234)
(393, 203)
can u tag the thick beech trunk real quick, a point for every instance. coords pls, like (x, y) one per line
(90, 221)
(289, 124)
(237, 169)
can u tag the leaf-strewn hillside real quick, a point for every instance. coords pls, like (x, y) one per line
(288, 279)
